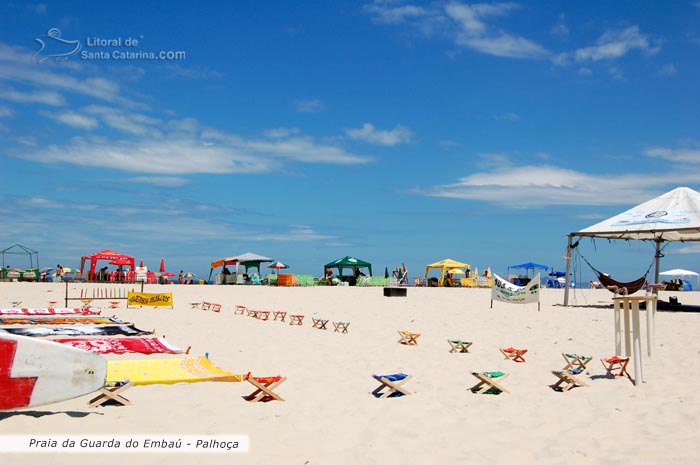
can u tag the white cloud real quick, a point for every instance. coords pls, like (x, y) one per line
(295, 233)
(476, 34)
(160, 181)
(689, 249)
(466, 24)
(72, 119)
(680, 155)
(560, 29)
(538, 186)
(277, 133)
(616, 73)
(16, 65)
(181, 153)
(178, 71)
(5, 112)
(669, 69)
(126, 121)
(504, 45)
(368, 133)
(167, 157)
(507, 117)
(617, 43)
(309, 106)
(384, 12)
(143, 143)
(46, 97)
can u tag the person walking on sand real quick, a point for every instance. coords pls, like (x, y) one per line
(181, 277)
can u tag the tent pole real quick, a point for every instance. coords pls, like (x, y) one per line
(568, 270)
(658, 261)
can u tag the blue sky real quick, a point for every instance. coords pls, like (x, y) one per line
(391, 131)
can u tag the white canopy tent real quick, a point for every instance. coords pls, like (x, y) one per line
(681, 273)
(673, 216)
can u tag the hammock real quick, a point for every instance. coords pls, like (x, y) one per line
(617, 287)
(621, 288)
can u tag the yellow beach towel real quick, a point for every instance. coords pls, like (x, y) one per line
(167, 371)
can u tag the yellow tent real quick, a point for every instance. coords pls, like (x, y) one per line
(444, 266)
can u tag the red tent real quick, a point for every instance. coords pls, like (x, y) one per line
(108, 255)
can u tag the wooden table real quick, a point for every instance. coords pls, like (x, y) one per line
(624, 306)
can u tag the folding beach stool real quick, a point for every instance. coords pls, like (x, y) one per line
(459, 346)
(408, 338)
(576, 360)
(568, 379)
(111, 394)
(393, 385)
(487, 382)
(516, 355)
(341, 326)
(264, 388)
(616, 366)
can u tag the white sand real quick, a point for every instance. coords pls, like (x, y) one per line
(330, 417)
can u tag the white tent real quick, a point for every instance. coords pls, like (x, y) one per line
(681, 273)
(673, 216)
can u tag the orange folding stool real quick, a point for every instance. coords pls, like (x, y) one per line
(516, 355)
(616, 366)
(264, 388)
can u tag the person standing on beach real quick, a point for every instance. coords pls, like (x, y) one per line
(181, 277)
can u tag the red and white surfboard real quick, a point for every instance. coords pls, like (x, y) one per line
(37, 372)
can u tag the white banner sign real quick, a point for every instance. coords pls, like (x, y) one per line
(504, 291)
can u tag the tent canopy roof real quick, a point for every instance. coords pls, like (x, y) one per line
(679, 272)
(106, 255)
(448, 263)
(673, 216)
(531, 266)
(18, 250)
(348, 262)
(247, 257)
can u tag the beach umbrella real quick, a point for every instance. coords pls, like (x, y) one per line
(141, 264)
(162, 265)
(455, 271)
(190, 275)
(168, 273)
(277, 265)
(386, 271)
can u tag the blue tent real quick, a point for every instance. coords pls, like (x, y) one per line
(529, 266)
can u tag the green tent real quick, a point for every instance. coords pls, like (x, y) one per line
(348, 262)
(21, 250)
